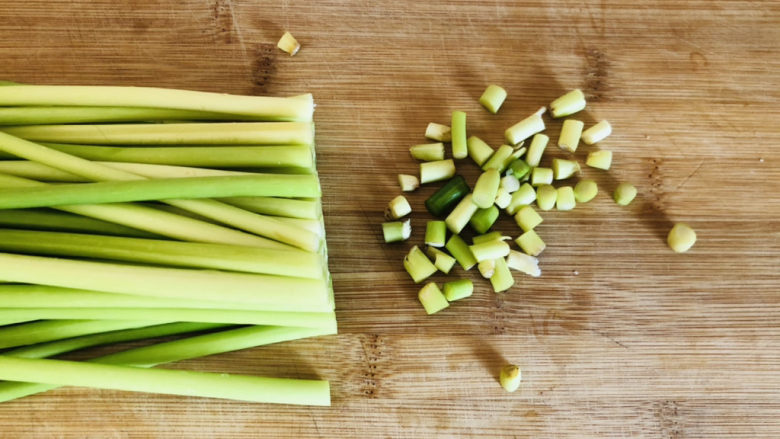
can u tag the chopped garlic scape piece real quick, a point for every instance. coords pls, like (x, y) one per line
(565, 199)
(563, 169)
(444, 262)
(478, 150)
(570, 134)
(428, 152)
(397, 230)
(525, 128)
(599, 159)
(435, 171)
(585, 190)
(519, 169)
(492, 98)
(538, 144)
(597, 132)
(498, 160)
(503, 198)
(460, 216)
(518, 152)
(458, 289)
(502, 278)
(527, 218)
(289, 44)
(624, 194)
(531, 243)
(489, 250)
(486, 188)
(540, 176)
(487, 268)
(523, 262)
(458, 127)
(510, 377)
(510, 183)
(438, 132)
(408, 182)
(487, 237)
(522, 197)
(546, 196)
(435, 233)
(567, 104)
(418, 265)
(398, 207)
(484, 219)
(441, 260)
(460, 251)
(432, 299)
(681, 238)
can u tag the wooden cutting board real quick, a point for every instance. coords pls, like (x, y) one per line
(618, 338)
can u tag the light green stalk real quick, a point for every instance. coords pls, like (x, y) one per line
(161, 189)
(158, 315)
(290, 262)
(213, 156)
(269, 227)
(289, 207)
(212, 209)
(175, 382)
(193, 347)
(32, 296)
(45, 219)
(168, 224)
(315, 226)
(39, 332)
(155, 221)
(73, 114)
(39, 171)
(260, 107)
(57, 347)
(6, 322)
(225, 133)
(275, 292)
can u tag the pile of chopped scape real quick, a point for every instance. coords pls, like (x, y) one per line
(512, 181)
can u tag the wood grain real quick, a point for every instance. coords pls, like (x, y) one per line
(618, 338)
